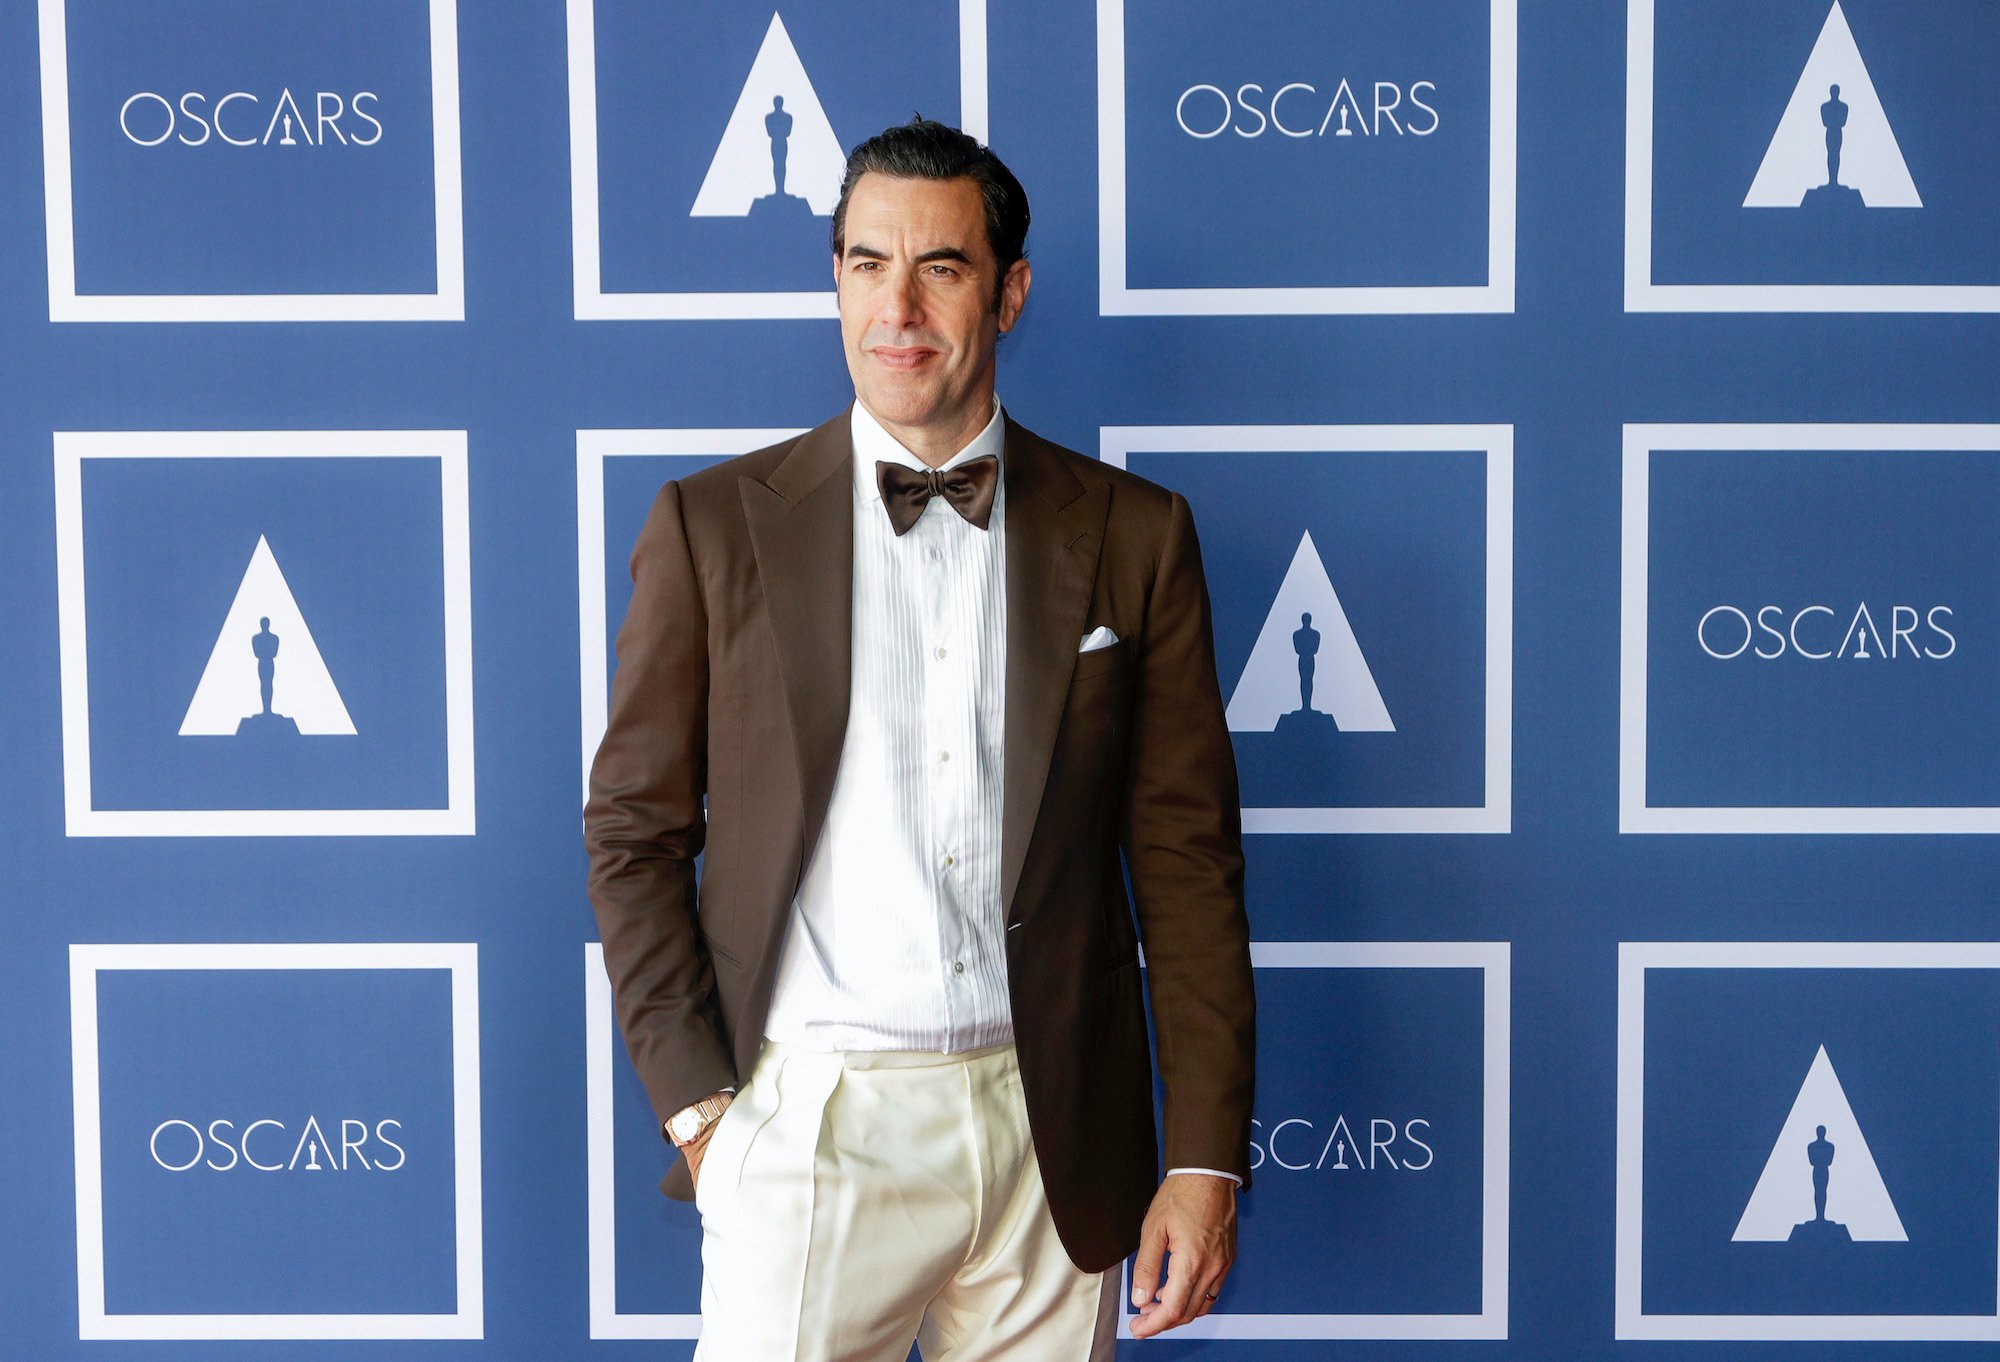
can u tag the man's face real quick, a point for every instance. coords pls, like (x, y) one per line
(917, 315)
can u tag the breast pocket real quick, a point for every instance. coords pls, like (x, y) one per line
(1100, 661)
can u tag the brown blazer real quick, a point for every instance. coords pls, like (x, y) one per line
(732, 683)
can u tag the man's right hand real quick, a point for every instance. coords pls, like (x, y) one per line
(695, 1148)
(692, 1152)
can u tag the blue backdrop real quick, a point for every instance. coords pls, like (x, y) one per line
(1624, 441)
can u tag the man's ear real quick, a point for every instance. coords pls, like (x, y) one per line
(1014, 294)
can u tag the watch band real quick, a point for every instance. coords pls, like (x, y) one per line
(685, 1126)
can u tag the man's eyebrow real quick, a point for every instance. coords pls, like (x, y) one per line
(936, 253)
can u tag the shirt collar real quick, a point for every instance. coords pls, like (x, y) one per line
(872, 442)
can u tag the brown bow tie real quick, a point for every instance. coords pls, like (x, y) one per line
(968, 487)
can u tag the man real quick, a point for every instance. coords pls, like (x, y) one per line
(931, 675)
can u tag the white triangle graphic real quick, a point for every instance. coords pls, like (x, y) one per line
(741, 172)
(1855, 1196)
(1342, 684)
(301, 687)
(1871, 162)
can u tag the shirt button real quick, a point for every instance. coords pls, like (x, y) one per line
(940, 651)
(948, 860)
(958, 967)
(944, 756)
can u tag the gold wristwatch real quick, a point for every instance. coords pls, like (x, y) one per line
(685, 1126)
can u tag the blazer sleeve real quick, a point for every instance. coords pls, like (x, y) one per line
(643, 823)
(1181, 832)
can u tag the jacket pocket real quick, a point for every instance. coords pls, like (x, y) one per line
(1098, 661)
(1124, 959)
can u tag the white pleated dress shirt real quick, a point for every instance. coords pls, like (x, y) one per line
(897, 937)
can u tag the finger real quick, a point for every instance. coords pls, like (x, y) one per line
(1183, 1271)
(1152, 1319)
(1209, 1293)
(1146, 1264)
(1218, 1273)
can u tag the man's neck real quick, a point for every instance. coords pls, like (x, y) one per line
(935, 445)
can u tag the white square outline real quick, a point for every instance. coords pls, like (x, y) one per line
(1495, 812)
(461, 958)
(1634, 959)
(593, 447)
(445, 304)
(600, 1056)
(81, 819)
(1494, 961)
(1491, 958)
(1642, 441)
(594, 304)
(1643, 295)
(1115, 299)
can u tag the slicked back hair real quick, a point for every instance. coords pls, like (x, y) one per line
(924, 149)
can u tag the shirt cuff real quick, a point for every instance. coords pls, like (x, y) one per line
(1212, 1172)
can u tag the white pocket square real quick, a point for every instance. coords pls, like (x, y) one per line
(1100, 637)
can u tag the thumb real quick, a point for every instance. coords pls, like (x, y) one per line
(1146, 1263)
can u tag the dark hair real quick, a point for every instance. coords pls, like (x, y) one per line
(924, 149)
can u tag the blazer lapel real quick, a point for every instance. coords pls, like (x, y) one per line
(801, 525)
(1055, 531)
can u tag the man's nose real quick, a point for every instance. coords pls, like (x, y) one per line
(902, 301)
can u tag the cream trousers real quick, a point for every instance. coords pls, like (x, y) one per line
(851, 1202)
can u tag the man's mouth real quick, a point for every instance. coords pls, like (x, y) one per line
(902, 357)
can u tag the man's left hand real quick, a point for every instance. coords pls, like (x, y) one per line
(1191, 1224)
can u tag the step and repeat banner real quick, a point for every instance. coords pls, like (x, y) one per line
(1588, 415)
